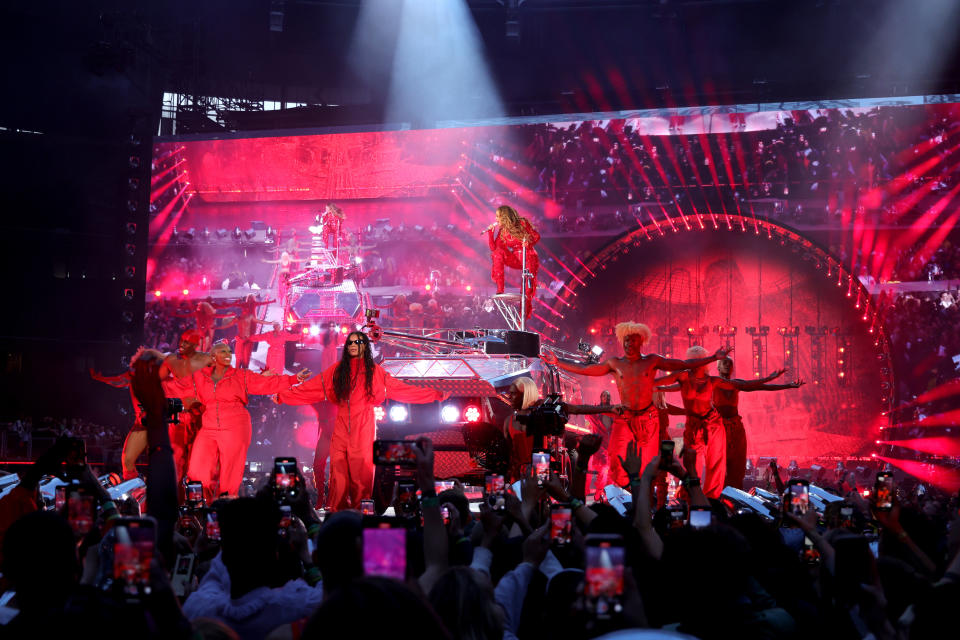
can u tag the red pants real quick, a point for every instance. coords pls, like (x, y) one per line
(644, 428)
(228, 447)
(705, 435)
(325, 423)
(736, 451)
(511, 259)
(351, 459)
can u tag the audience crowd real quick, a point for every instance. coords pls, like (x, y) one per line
(269, 565)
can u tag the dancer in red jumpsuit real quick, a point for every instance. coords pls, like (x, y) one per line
(246, 321)
(634, 374)
(225, 433)
(136, 440)
(332, 218)
(506, 248)
(356, 385)
(276, 347)
(704, 430)
(727, 402)
(205, 316)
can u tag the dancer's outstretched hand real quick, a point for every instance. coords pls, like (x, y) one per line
(548, 357)
(722, 352)
(303, 375)
(796, 384)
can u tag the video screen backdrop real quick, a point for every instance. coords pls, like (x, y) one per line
(873, 186)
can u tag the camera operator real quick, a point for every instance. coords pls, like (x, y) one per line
(534, 416)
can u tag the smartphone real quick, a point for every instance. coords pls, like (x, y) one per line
(809, 555)
(81, 510)
(212, 526)
(183, 573)
(494, 488)
(285, 480)
(367, 508)
(603, 582)
(60, 497)
(561, 523)
(796, 499)
(286, 519)
(445, 512)
(700, 517)
(133, 550)
(407, 503)
(384, 549)
(678, 516)
(883, 490)
(443, 485)
(194, 493)
(666, 454)
(394, 453)
(853, 565)
(846, 518)
(541, 466)
(185, 523)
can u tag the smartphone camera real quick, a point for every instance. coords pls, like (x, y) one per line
(603, 584)
(81, 510)
(561, 524)
(883, 491)
(193, 493)
(384, 550)
(367, 508)
(394, 453)
(494, 487)
(285, 479)
(797, 497)
(132, 553)
(541, 466)
(700, 517)
(666, 454)
(212, 526)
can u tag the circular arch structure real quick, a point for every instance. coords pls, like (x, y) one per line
(753, 236)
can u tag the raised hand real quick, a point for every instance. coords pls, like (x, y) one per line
(796, 384)
(303, 375)
(722, 352)
(631, 464)
(776, 374)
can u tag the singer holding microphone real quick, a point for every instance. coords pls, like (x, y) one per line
(507, 238)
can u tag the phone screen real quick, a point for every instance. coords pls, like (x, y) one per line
(60, 497)
(80, 513)
(700, 518)
(132, 554)
(603, 585)
(797, 498)
(406, 499)
(286, 519)
(394, 452)
(443, 485)
(561, 524)
(385, 552)
(213, 526)
(367, 508)
(666, 453)
(883, 492)
(678, 518)
(285, 473)
(194, 492)
(541, 465)
(494, 488)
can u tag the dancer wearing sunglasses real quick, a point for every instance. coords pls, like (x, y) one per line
(355, 385)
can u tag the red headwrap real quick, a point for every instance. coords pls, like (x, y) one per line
(191, 335)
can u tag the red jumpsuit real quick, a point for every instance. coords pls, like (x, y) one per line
(507, 251)
(331, 229)
(704, 434)
(727, 402)
(275, 348)
(225, 432)
(351, 446)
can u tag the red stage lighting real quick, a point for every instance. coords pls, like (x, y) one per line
(471, 413)
(158, 293)
(427, 287)
(186, 292)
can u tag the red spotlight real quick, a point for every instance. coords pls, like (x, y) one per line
(344, 329)
(186, 292)
(469, 288)
(427, 287)
(158, 293)
(592, 330)
(471, 413)
(306, 330)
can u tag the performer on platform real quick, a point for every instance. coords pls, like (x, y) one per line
(356, 385)
(726, 399)
(525, 397)
(225, 432)
(246, 321)
(506, 248)
(332, 219)
(288, 263)
(634, 374)
(276, 350)
(136, 440)
(205, 316)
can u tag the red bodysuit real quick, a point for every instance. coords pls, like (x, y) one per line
(276, 348)
(507, 251)
(704, 432)
(225, 432)
(351, 446)
(727, 402)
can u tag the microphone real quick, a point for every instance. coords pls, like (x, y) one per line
(488, 228)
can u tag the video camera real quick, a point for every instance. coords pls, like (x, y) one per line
(547, 419)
